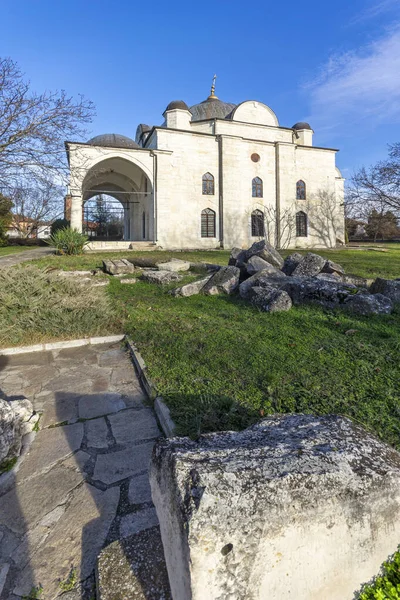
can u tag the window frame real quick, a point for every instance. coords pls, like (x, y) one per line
(208, 223)
(301, 224)
(257, 187)
(257, 219)
(301, 190)
(208, 184)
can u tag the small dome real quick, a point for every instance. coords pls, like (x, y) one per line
(177, 104)
(113, 140)
(212, 108)
(301, 125)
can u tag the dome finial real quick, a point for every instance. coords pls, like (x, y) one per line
(212, 96)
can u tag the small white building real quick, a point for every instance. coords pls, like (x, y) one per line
(214, 175)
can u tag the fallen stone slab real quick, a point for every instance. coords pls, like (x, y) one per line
(270, 300)
(161, 277)
(355, 280)
(264, 250)
(134, 568)
(264, 278)
(118, 266)
(191, 289)
(324, 292)
(311, 264)
(129, 280)
(291, 263)
(256, 264)
(261, 513)
(175, 265)
(388, 287)
(67, 274)
(225, 281)
(368, 304)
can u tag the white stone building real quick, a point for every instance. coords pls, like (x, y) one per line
(213, 175)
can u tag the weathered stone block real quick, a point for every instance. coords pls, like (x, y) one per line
(16, 419)
(118, 267)
(332, 267)
(291, 263)
(264, 250)
(191, 289)
(388, 287)
(161, 277)
(237, 255)
(226, 280)
(255, 264)
(368, 304)
(297, 506)
(263, 278)
(174, 265)
(270, 300)
(311, 264)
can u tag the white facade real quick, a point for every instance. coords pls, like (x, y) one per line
(159, 179)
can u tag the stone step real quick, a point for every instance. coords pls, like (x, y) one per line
(121, 245)
(134, 568)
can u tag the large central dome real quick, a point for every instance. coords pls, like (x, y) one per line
(212, 108)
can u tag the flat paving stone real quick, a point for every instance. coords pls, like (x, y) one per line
(74, 543)
(134, 569)
(112, 357)
(49, 447)
(24, 506)
(116, 466)
(96, 433)
(97, 405)
(135, 522)
(139, 489)
(133, 425)
(58, 407)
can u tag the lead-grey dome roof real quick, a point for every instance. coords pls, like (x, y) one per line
(177, 104)
(212, 108)
(301, 125)
(113, 140)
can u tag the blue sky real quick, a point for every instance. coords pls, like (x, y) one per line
(335, 64)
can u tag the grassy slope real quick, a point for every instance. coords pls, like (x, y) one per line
(6, 250)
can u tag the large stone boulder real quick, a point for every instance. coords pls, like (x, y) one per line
(264, 278)
(161, 277)
(264, 250)
(256, 264)
(191, 289)
(17, 418)
(175, 265)
(296, 507)
(311, 264)
(387, 287)
(270, 299)
(368, 304)
(237, 256)
(325, 292)
(332, 267)
(291, 263)
(355, 280)
(225, 281)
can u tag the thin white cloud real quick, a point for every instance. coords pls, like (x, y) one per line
(375, 9)
(359, 88)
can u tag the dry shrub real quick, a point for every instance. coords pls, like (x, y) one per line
(36, 305)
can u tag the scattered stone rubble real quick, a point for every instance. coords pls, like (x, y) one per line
(296, 506)
(270, 283)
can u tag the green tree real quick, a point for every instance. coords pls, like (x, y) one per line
(5, 217)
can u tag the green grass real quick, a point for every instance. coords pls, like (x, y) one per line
(6, 250)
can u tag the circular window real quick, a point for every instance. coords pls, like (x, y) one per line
(255, 157)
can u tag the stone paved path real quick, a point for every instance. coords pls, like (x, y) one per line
(15, 259)
(83, 484)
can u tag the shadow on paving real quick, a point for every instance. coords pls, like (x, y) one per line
(83, 487)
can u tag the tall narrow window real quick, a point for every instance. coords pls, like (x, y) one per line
(257, 224)
(144, 225)
(207, 223)
(300, 190)
(301, 224)
(257, 188)
(208, 184)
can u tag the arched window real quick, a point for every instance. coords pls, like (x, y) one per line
(208, 184)
(257, 224)
(300, 190)
(207, 223)
(257, 188)
(301, 224)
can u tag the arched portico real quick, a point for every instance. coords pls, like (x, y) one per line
(127, 182)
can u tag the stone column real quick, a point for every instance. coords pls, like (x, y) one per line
(76, 213)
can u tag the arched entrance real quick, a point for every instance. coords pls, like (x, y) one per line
(127, 186)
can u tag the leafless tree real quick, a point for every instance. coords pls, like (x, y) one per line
(33, 127)
(325, 217)
(35, 204)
